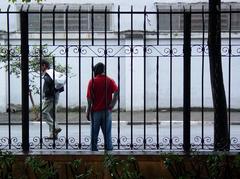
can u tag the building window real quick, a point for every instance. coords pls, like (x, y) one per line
(177, 24)
(72, 19)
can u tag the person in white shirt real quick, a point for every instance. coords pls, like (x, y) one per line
(50, 100)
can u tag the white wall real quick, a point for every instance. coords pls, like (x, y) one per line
(3, 93)
(138, 75)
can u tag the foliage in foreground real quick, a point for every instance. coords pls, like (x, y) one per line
(42, 169)
(212, 166)
(122, 169)
(6, 162)
(80, 170)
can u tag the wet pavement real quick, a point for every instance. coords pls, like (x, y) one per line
(123, 133)
(136, 117)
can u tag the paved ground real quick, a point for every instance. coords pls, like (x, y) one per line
(137, 117)
(121, 131)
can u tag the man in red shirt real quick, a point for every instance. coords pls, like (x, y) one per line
(100, 103)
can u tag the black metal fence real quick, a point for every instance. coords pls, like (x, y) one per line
(144, 44)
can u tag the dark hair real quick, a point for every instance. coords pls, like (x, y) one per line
(98, 68)
(45, 62)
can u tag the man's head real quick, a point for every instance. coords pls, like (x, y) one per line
(44, 65)
(98, 69)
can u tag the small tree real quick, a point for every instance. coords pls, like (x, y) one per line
(221, 125)
(11, 61)
(14, 1)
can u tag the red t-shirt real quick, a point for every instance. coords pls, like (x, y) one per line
(98, 89)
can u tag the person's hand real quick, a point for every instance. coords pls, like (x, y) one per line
(88, 116)
(110, 106)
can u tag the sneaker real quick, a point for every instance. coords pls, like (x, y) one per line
(51, 137)
(57, 130)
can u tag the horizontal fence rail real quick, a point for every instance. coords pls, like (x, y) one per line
(160, 68)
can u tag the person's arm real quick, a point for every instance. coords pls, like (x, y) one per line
(88, 115)
(114, 100)
(89, 101)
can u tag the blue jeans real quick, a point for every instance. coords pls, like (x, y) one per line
(101, 119)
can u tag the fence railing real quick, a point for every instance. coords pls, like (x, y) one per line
(163, 76)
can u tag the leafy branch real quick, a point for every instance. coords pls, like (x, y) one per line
(80, 170)
(122, 169)
(41, 168)
(11, 61)
(25, 1)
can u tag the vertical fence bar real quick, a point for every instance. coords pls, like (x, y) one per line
(106, 90)
(66, 31)
(41, 95)
(187, 81)
(79, 78)
(54, 97)
(92, 60)
(131, 145)
(171, 57)
(144, 78)
(25, 80)
(221, 138)
(203, 58)
(118, 117)
(229, 69)
(157, 84)
(53, 29)
(9, 81)
(54, 107)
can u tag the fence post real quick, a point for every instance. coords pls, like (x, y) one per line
(187, 81)
(25, 81)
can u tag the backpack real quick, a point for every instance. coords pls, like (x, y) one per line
(59, 79)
